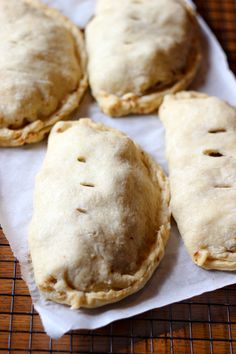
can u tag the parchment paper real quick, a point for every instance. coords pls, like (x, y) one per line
(177, 278)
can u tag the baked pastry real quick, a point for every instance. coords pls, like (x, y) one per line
(201, 151)
(138, 51)
(101, 216)
(42, 70)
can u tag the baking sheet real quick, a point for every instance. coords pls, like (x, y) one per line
(177, 278)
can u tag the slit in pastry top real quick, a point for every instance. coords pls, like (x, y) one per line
(101, 217)
(201, 152)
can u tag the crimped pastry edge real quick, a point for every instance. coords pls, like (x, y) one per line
(36, 131)
(78, 299)
(204, 257)
(131, 103)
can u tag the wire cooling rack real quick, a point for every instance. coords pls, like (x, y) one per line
(204, 324)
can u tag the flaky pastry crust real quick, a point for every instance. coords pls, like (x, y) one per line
(143, 71)
(31, 129)
(104, 222)
(201, 151)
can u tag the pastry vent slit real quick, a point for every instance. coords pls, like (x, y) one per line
(135, 18)
(222, 186)
(81, 210)
(217, 130)
(81, 159)
(212, 153)
(85, 184)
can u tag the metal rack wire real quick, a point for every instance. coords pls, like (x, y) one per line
(221, 17)
(204, 324)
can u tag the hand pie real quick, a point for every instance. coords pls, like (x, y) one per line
(42, 70)
(201, 151)
(140, 50)
(101, 216)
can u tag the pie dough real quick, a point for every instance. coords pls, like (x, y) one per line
(42, 70)
(101, 216)
(201, 151)
(140, 50)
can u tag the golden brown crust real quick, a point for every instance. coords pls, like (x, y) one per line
(77, 299)
(130, 103)
(141, 79)
(103, 275)
(36, 130)
(201, 150)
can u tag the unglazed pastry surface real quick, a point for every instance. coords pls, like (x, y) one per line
(201, 152)
(140, 50)
(42, 70)
(101, 216)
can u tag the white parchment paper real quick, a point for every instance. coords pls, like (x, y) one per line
(177, 278)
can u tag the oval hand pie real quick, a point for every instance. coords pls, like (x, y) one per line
(201, 151)
(101, 216)
(42, 70)
(140, 50)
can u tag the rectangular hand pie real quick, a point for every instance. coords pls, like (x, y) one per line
(140, 50)
(101, 216)
(201, 151)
